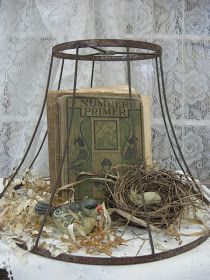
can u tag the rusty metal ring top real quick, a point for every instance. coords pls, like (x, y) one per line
(143, 50)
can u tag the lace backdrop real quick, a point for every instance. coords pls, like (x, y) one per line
(29, 29)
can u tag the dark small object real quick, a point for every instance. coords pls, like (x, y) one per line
(132, 139)
(106, 162)
(82, 155)
(106, 165)
(17, 187)
(79, 205)
(3, 274)
(41, 207)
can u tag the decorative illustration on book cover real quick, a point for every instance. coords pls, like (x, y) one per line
(101, 137)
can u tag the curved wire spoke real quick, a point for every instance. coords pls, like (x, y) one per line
(172, 126)
(92, 74)
(34, 133)
(164, 117)
(39, 150)
(137, 156)
(46, 133)
(61, 74)
(54, 189)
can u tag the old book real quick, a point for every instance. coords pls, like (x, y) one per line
(101, 135)
(53, 121)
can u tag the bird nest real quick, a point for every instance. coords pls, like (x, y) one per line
(173, 194)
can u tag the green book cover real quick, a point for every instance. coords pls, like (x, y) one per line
(101, 137)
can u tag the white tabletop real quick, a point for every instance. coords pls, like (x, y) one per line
(192, 265)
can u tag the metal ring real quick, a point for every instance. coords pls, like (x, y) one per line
(118, 260)
(144, 50)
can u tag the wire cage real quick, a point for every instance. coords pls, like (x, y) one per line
(109, 50)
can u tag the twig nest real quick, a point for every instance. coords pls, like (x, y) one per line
(166, 193)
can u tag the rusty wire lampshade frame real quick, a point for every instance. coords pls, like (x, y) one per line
(108, 50)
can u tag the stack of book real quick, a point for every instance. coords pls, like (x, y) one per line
(107, 130)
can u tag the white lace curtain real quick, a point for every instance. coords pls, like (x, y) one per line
(29, 29)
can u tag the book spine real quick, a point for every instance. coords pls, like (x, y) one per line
(146, 129)
(62, 113)
(51, 137)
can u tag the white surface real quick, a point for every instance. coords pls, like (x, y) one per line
(193, 265)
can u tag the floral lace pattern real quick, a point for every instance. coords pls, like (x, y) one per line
(29, 29)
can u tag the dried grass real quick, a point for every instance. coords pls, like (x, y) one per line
(18, 221)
